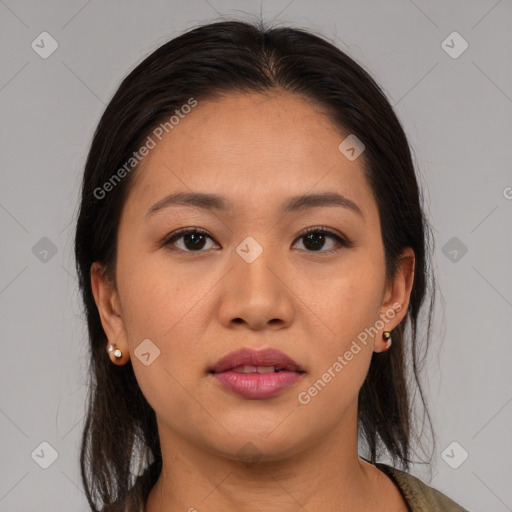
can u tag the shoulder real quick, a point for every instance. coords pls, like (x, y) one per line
(419, 496)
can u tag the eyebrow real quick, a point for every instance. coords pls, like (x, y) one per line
(215, 202)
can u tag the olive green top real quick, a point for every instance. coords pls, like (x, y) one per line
(419, 496)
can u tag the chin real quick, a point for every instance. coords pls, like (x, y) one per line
(252, 446)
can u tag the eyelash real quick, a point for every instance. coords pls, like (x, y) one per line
(340, 241)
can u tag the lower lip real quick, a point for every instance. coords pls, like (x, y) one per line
(257, 386)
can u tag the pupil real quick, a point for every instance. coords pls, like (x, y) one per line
(196, 240)
(315, 241)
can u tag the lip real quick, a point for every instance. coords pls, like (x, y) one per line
(256, 386)
(249, 357)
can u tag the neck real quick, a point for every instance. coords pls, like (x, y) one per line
(313, 477)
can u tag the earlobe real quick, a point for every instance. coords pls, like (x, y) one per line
(107, 302)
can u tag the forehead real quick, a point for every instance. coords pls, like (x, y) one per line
(252, 146)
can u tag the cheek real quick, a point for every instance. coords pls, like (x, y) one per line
(347, 303)
(177, 403)
(167, 309)
(347, 299)
(172, 310)
(342, 354)
(160, 300)
(332, 392)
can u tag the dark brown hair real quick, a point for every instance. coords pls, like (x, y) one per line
(120, 437)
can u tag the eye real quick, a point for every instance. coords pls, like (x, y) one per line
(316, 239)
(321, 239)
(190, 240)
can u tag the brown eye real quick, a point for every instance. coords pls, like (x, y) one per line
(194, 241)
(190, 240)
(314, 241)
(321, 240)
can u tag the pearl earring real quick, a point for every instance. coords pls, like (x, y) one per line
(117, 352)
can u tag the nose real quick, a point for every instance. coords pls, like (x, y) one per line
(256, 295)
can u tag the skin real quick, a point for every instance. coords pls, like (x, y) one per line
(256, 151)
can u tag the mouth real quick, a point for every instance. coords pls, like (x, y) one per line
(251, 361)
(257, 369)
(256, 374)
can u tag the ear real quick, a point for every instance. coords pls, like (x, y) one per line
(396, 296)
(109, 308)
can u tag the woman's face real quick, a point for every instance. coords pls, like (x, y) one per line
(254, 278)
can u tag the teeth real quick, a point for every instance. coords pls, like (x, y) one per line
(245, 369)
(254, 369)
(266, 369)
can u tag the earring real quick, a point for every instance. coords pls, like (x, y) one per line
(117, 352)
(387, 336)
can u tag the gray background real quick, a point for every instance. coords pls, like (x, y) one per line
(457, 113)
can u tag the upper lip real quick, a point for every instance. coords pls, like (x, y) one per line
(250, 357)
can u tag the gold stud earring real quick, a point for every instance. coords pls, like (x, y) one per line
(117, 352)
(387, 336)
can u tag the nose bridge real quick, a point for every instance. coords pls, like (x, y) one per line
(252, 263)
(253, 292)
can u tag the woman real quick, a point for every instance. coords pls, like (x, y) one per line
(251, 247)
